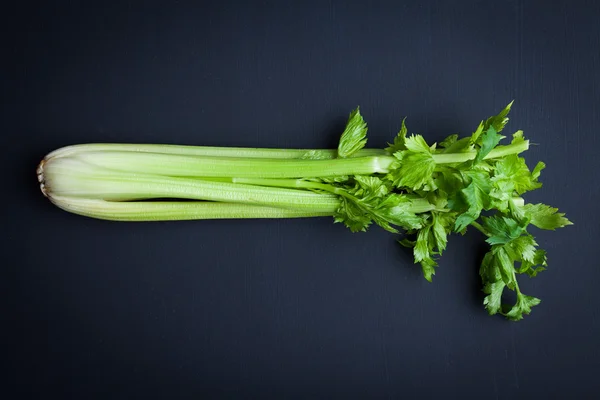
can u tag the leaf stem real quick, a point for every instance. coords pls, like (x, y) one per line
(497, 152)
(479, 227)
(208, 166)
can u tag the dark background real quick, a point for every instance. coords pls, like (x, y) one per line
(291, 308)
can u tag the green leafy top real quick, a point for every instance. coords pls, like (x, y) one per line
(354, 137)
(415, 166)
(464, 182)
(498, 121)
(399, 140)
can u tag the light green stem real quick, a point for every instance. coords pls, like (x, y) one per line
(176, 210)
(497, 152)
(480, 228)
(191, 165)
(210, 151)
(418, 204)
(203, 166)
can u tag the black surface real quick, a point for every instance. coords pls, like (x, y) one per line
(298, 308)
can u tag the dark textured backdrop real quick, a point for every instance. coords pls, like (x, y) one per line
(299, 308)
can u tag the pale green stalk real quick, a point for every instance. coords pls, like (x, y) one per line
(210, 151)
(188, 165)
(177, 210)
(418, 204)
(208, 166)
(69, 177)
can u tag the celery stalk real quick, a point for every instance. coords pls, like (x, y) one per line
(209, 151)
(70, 177)
(176, 210)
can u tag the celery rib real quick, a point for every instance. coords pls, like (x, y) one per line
(499, 151)
(177, 210)
(197, 166)
(212, 151)
(418, 204)
(188, 165)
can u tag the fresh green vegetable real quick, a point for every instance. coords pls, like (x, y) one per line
(420, 190)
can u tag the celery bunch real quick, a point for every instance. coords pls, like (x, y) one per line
(423, 191)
